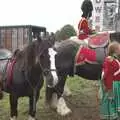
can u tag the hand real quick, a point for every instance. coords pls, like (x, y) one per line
(92, 32)
(110, 94)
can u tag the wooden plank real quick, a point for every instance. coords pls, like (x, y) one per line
(8, 39)
(20, 38)
(2, 37)
(14, 39)
(26, 36)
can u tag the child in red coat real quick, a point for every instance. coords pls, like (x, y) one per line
(110, 102)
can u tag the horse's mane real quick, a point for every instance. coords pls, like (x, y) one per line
(65, 44)
(27, 57)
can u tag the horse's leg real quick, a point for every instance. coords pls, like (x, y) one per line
(55, 99)
(13, 107)
(62, 108)
(67, 91)
(49, 93)
(51, 97)
(32, 110)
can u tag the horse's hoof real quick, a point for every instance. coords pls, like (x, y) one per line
(13, 118)
(62, 108)
(31, 118)
(65, 112)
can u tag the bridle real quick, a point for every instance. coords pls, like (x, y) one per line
(45, 70)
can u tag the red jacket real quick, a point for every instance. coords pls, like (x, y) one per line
(111, 69)
(83, 28)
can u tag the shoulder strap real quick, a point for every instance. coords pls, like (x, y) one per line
(118, 71)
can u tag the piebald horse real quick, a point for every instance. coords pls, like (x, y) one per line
(65, 65)
(23, 74)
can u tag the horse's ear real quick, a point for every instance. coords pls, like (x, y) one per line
(16, 52)
(52, 39)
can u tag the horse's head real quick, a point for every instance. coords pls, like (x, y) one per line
(46, 58)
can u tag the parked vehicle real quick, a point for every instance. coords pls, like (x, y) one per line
(5, 55)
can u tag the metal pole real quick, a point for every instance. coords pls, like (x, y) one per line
(118, 7)
(117, 17)
(30, 34)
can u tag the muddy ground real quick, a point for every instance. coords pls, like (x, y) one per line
(83, 103)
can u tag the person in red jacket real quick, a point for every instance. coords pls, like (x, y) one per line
(110, 101)
(83, 26)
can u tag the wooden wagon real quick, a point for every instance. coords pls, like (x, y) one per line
(13, 37)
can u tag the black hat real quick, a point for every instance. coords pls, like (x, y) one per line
(87, 8)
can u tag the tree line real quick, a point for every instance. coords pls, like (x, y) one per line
(65, 32)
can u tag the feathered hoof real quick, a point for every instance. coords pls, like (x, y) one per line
(65, 113)
(13, 118)
(31, 118)
(62, 108)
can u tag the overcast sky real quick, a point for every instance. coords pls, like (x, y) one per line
(52, 14)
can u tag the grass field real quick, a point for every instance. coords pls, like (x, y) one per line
(83, 103)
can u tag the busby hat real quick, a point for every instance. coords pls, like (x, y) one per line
(87, 8)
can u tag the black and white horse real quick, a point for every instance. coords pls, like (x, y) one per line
(65, 54)
(30, 65)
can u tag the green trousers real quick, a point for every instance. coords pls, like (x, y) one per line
(110, 108)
